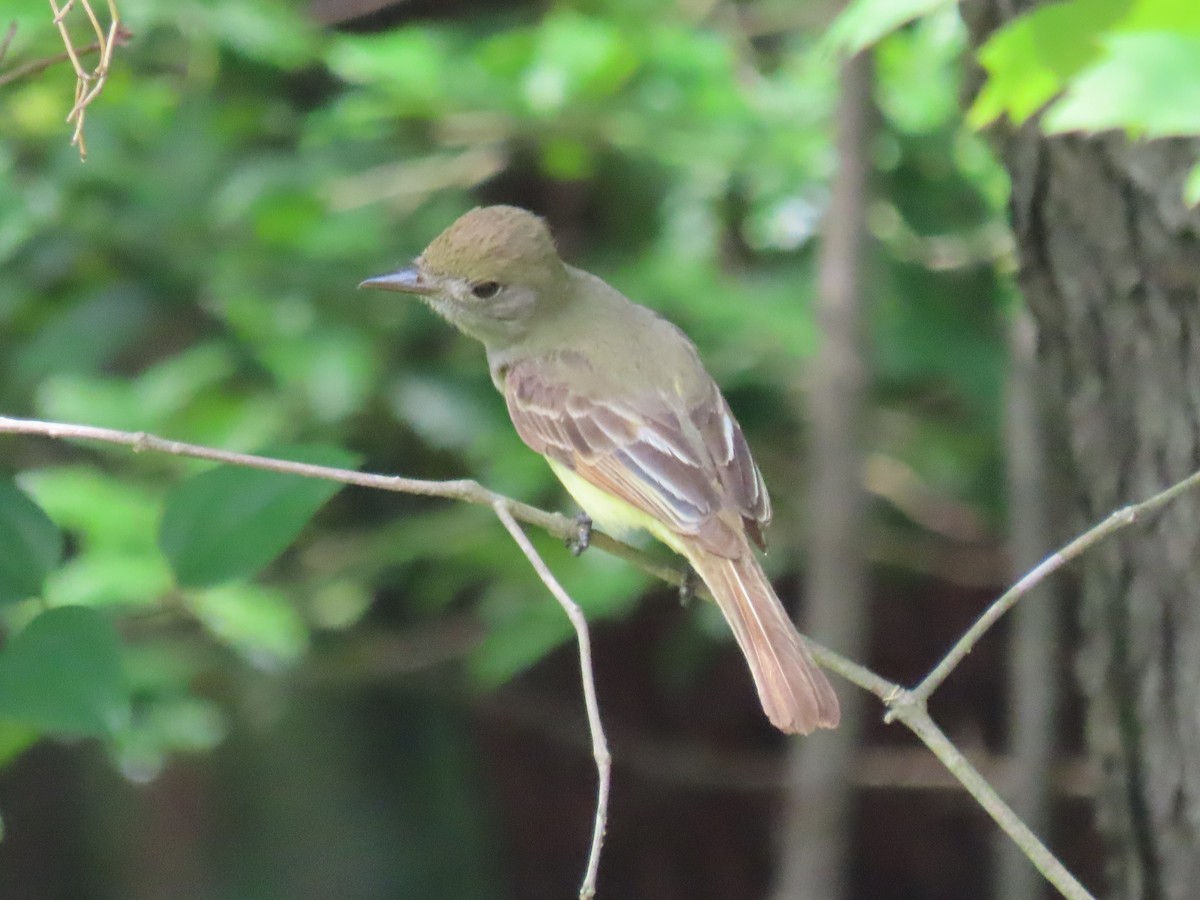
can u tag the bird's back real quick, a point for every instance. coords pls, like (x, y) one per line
(626, 400)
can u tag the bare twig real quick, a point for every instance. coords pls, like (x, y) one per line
(1122, 518)
(818, 816)
(6, 41)
(465, 490)
(599, 744)
(913, 715)
(905, 706)
(87, 84)
(16, 73)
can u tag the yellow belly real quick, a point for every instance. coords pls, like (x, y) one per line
(614, 515)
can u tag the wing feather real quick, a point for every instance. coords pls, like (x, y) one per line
(688, 468)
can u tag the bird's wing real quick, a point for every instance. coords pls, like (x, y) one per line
(739, 475)
(687, 465)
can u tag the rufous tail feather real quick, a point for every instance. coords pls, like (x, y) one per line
(795, 694)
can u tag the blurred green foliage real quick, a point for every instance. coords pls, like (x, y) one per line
(195, 278)
(32, 545)
(62, 673)
(230, 523)
(1086, 65)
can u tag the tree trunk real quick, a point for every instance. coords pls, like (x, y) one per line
(1110, 269)
(816, 822)
(1033, 671)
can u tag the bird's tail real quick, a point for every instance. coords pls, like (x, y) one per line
(795, 694)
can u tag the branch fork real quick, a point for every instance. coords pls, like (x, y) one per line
(88, 84)
(905, 705)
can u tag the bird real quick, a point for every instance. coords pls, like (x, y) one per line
(617, 400)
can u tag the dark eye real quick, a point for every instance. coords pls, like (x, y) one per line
(485, 290)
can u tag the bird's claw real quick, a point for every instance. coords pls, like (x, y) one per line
(583, 535)
(687, 587)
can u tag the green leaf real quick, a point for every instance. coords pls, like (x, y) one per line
(1191, 188)
(33, 28)
(30, 545)
(101, 510)
(1147, 84)
(262, 30)
(62, 674)
(1162, 15)
(917, 84)
(15, 738)
(82, 338)
(415, 65)
(110, 578)
(1032, 58)
(162, 391)
(866, 22)
(576, 59)
(260, 623)
(524, 629)
(232, 522)
(525, 622)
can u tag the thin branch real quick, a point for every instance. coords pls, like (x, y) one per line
(904, 705)
(814, 848)
(914, 715)
(16, 73)
(6, 41)
(1122, 518)
(465, 490)
(88, 84)
(599, 744)
(60, 15)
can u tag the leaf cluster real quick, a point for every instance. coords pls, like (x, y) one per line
(246, 169)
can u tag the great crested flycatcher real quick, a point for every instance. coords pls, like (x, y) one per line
(617, 401)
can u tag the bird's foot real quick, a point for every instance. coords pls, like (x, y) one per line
(583, 535)
(687, 588)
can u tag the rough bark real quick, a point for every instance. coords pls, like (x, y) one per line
(1110, 268)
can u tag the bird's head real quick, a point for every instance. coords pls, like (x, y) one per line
(491, 273)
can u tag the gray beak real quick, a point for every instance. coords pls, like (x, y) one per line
(408, 280)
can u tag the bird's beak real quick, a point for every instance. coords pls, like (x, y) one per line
(408, 280)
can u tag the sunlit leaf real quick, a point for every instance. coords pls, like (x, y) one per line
(576, 59)
(110, 578)
(1031, 58)
(1162, 15)
(261, 623)
(99, 508)
(866, 22)
(1146, 84)
(413, 65)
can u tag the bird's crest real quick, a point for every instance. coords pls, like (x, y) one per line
(494, 243)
